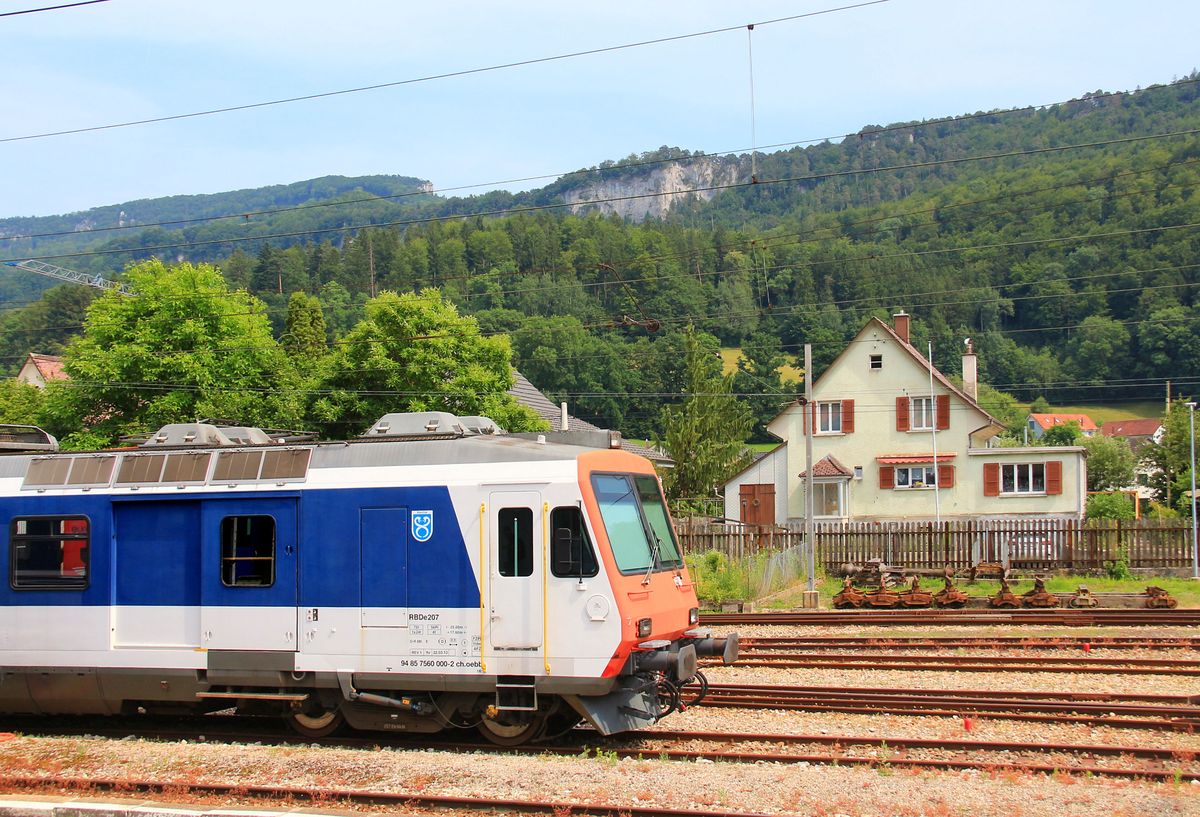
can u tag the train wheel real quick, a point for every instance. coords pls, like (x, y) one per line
(316, 724)
(503, 734)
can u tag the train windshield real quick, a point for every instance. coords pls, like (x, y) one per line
(635, 518)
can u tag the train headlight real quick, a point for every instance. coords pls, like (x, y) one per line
(645, 627)
(694, 616)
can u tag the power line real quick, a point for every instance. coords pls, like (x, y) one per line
(52, 8)
(433, 77)
(632, 197)
(593, 171)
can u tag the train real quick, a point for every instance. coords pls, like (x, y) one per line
(435, 573)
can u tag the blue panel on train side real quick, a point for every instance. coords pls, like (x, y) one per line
(438, 565)
(97, 509)
(157, 552)
(327, 537)
(384, 557)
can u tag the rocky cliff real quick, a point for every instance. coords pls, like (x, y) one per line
(650, 192)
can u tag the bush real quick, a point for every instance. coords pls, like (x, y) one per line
(1110, 506)
(717, 579)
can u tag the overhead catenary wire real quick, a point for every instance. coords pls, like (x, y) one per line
(433, 77)
(908, 126)
(51, 8)
(632, 197)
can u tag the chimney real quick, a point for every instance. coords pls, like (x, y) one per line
(970, 371)
(901, 324)
(563, 419)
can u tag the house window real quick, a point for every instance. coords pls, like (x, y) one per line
(1023, 478)
(248, 551)
(922, 414)
(827, 499)
(876, 362)
(921, 476)
(829, 417)
(49, 553)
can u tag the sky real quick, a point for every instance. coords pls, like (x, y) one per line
(817, 77)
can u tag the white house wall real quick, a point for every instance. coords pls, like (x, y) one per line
(769, 470)
(875, 434)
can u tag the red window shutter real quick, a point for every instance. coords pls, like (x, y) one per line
(887, 476)
(847, 416)
(943, 412)
(902, 414)
(945, 476)
(991, 479)
(1054, 477)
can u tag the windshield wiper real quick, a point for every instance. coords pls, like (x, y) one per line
(654, 548)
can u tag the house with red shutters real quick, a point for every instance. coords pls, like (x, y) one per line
(894, 439)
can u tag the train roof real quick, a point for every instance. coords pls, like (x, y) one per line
(183, 454)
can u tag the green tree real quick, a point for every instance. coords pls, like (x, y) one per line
(184, 348)
(1110, 506)
(414, 352)
(706, 433)
(305, 335)
(1110, 463)
(1170, 459)
(1099, 351)
(758, 382)
(1065, 434)
(20, 403)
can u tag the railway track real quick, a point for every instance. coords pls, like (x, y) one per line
(1126, 711)
(1063, 618)
(967, 663)
(1016, 642)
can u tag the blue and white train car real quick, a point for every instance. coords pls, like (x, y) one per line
(432, 574)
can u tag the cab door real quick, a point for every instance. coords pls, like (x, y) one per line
(248, 576)
(516, 565)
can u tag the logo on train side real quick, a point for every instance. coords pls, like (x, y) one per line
(422, 525)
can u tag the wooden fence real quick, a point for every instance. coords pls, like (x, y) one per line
(1042, 544)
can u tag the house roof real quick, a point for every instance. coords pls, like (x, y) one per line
(527, 394)
(50, 367)
(1047, 421)
(921, 361)
(1138, 427)
(828, 466)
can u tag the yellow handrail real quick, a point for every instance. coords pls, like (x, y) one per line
(482, 574)
(545, 596)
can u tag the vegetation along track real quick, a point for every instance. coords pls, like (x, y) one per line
(1069, 618)
(1128, 711)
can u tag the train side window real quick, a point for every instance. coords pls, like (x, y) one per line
(49, 553)
(248, 551)
(516, 541)
(571, 554)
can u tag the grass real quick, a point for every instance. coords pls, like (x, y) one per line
(1185, 591)
(1102, 413)
(731, 354)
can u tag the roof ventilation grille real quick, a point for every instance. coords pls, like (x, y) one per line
(430, 425)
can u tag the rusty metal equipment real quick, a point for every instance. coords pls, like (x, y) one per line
(914, 596)
(1082, 598)
(1157, 598)
(850, 596)
(987, 570)
(883, 597)
(1039, 596)
(874, 571)
(950, 595)
(1006, 597)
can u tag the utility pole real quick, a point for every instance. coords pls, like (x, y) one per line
(1191, 404)
(937, 483)
(811, 597)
